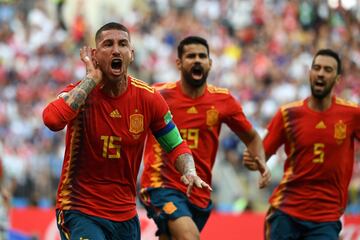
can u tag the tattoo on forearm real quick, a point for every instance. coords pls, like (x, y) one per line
(87, 85)
(185, 164)
(77, 96)
(79, 99)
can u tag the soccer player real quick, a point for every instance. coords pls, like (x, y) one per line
(199, 110)
(318, 134)
(108, 115)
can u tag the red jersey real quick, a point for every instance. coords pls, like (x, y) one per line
(320, 158)
(199, 121)
(104, 146)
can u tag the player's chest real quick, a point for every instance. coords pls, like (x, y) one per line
(327, 129)
(127, 123)
(203, 115)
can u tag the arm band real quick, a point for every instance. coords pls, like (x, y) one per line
(169, 137)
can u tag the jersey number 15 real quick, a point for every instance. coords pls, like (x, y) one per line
(111, 148)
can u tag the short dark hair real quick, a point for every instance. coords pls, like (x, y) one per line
(111, 26)
(191, 40)
(330, 53)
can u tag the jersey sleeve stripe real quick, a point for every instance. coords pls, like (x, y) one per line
(148, 88)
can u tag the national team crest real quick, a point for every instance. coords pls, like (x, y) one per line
(340, 130)
(212, 117)
(136, 123)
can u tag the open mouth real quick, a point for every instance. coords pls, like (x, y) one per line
(319, 84)
(197, 72)
(116, 64)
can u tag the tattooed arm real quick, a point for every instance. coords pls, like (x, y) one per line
(179, 153)
(186, 165)
(76, 97)
(58, 113)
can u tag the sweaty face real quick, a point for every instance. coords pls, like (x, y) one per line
(195, 64)
(323, 76)
(113, 53)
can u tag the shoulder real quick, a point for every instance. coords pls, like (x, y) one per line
(345, 103)
(292, 105)
(224, 99)
(164, 86)
(217, 90)
(141, 85)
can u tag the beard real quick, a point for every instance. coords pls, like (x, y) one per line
(195, 82)
(322, 94)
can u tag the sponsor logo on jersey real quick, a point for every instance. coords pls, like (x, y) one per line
(192, 110)
(320, 125)
(115, 114)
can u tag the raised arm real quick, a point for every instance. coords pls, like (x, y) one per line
(59, 112)
(76, 97)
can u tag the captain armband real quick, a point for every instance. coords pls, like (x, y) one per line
(169, 137)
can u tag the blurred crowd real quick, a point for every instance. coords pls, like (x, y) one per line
(261, 51)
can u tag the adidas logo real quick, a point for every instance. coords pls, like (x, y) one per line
(320, 125)
(192, 110)
(115, 114)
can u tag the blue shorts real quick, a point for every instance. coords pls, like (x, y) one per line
(163, 204)
(77, 225)
(279, 226)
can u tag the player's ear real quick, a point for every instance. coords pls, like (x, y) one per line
(338, 79)
(132, 55)
(309, 74)
(178, 63)
(93, 57)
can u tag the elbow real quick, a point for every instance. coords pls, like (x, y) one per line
(51, 121)
(53, 128)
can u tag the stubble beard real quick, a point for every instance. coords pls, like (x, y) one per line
(324, 93)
